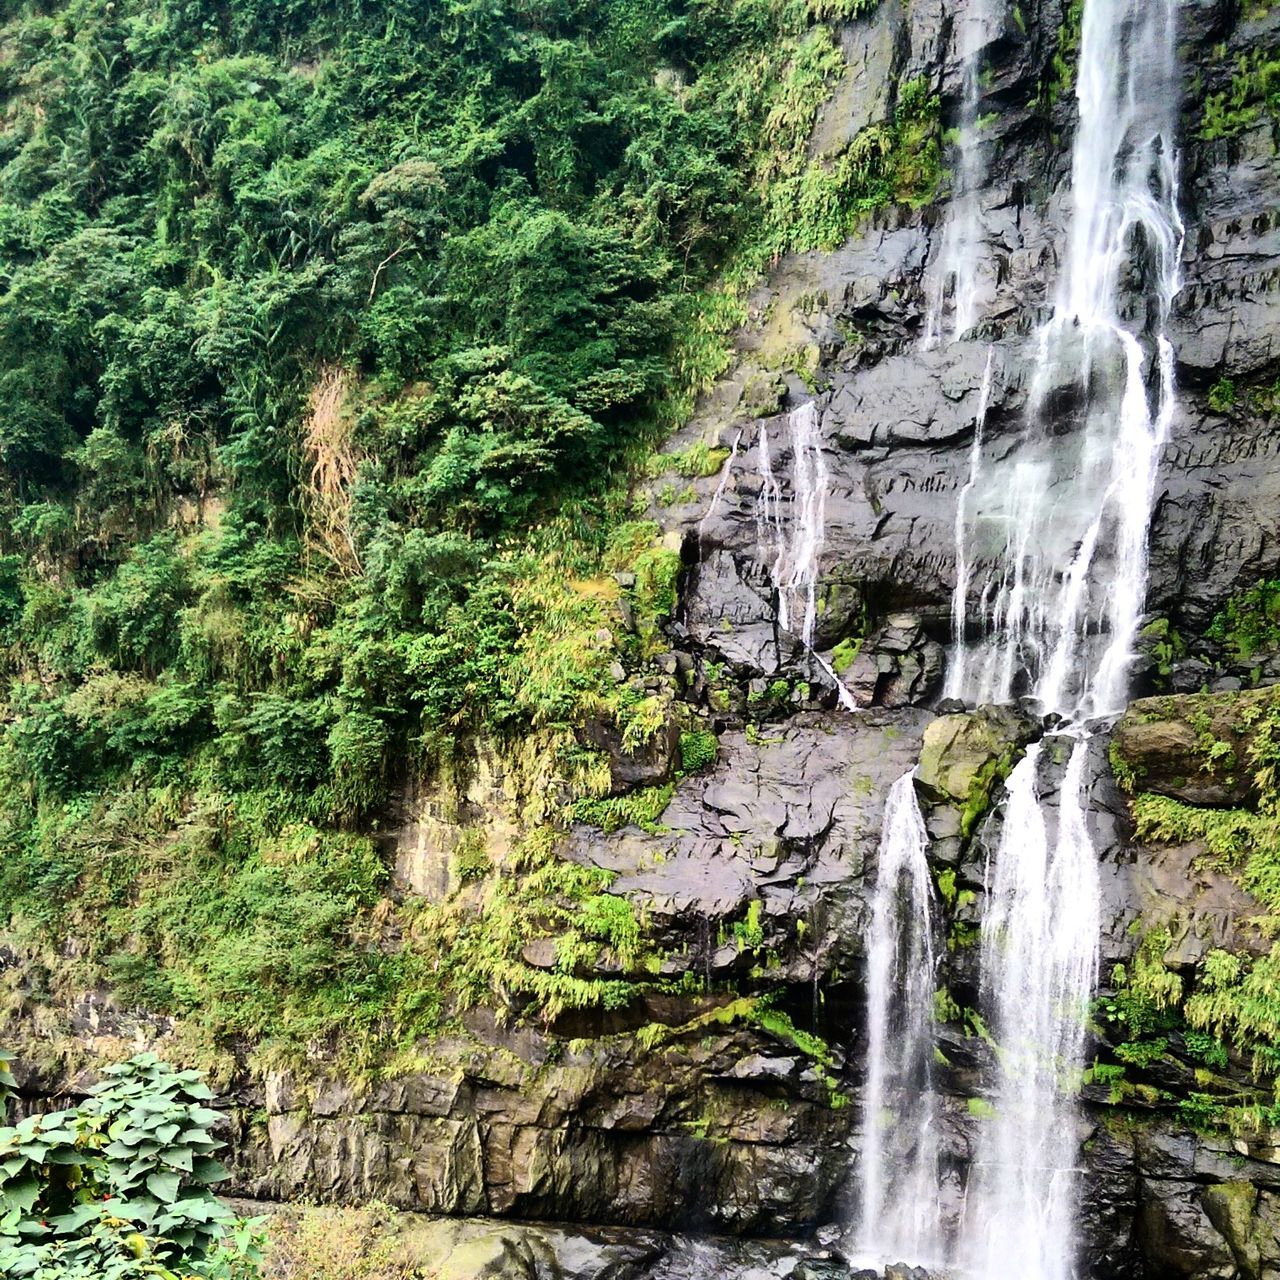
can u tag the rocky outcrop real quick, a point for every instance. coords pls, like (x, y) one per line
(688, 1109)
(1197, 749)
(679, 1116)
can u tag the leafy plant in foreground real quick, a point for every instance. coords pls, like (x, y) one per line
(120, 1186)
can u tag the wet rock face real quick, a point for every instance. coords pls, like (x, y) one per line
(726, 1131)
(1161, 1201)
(789, 819)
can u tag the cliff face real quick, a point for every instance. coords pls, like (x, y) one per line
(687, 1116)
(684, 1112)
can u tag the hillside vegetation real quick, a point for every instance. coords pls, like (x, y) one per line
(332, 336)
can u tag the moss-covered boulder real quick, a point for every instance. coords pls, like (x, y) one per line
(1194, 747)
(965, 755)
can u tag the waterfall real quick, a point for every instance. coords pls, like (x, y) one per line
(1066, 532)
(898, 1204)
(794, 559)
(1054, 546)
(769, 537)
(962, 235)
(1039, 968)
(1061, 610)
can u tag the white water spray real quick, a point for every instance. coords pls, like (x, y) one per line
(898, 1207)
(1039, 965)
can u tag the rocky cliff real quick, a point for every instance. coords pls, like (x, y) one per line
(726, 1101)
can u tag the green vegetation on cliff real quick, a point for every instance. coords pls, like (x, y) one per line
(1229, 1006)
(330, 337)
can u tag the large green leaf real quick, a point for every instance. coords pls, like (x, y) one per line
(164, 1186)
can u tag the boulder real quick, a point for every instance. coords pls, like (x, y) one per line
(1194, 747)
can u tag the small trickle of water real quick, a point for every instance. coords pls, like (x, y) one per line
(769, 536)
(898, 1207)
(716, 498)
(793, 558)
(795, 572)
(961, 256)
(1039, 964)
(956, 670)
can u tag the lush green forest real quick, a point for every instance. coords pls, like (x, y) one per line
(333, 337)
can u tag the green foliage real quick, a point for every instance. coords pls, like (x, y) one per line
(120, 1186)
(332, 337)
(471, 859)
(698, 460)
(7, 1081)
(641, 808)
(698, 750)
(498, 227)
(1222, 395)
(1253, 94)
(749, 931)
(1234, 1000)
(1250, 623)
(1062, 73)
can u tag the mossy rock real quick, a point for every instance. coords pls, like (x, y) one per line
(959, 748)
(763, 395)
(1232, 1208)
(965, 756)
(1193, 747)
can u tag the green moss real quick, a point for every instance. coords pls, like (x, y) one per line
(749, 932)
(697, 461)
(698, 750)
(845, 654)
(657, 573)
(991, 773)
(946, 880)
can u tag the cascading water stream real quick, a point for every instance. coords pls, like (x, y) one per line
(1063, 606)
(716, 498)
(959, 600)
(1054, 548)
(898, 1206)
(1064, 537)
(1039, 969)
(962, 236)
(794, 560)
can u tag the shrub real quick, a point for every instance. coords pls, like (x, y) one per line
(120, 1186)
